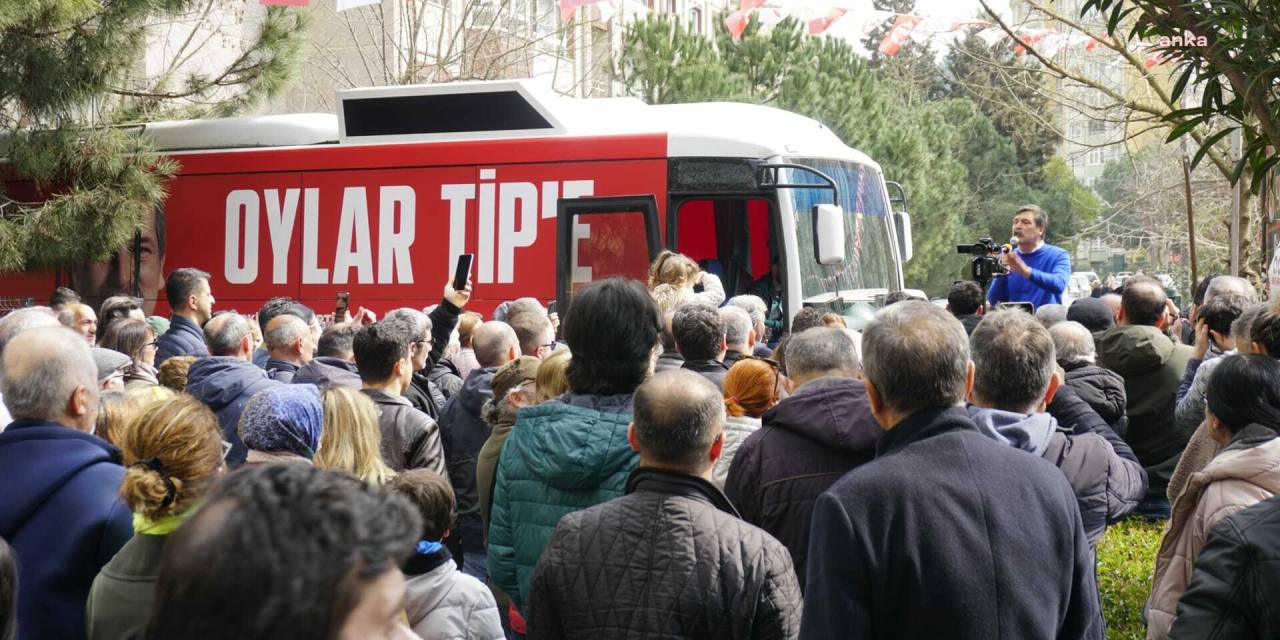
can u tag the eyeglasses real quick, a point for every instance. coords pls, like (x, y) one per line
(550, 347)
(777, 374)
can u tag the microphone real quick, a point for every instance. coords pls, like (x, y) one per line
(1013, 242)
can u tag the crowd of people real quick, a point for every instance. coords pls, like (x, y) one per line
(664, 461)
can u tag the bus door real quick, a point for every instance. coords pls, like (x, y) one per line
(734, 237)
(601, 237)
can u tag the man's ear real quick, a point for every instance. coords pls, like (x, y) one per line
(717, 448)
(513, 352)
(873, 397)
(246, 343)
(78, 402)
(1055, 383)
(968, 379)
(1120, 315)
(631, 437)
(752, 338)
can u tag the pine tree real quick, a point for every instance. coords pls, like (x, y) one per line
(65, 83)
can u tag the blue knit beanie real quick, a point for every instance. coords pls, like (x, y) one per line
(285, 418)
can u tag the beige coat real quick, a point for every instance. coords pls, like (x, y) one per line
(1237, 478)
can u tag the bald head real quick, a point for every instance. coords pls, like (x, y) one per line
(50, 375)
(288, 338)
(1143, 302)
(495, 344)
(228, 334)
(1226, 285)
(677, 417)
(1112, 300)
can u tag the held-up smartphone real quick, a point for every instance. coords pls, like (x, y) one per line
(462, 271)
(1025, 306)
(340, 310)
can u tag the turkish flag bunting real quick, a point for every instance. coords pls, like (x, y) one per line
(899, 35)
(747, 5)
(819, 25)
(736, 23)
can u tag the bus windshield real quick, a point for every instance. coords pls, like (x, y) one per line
(868, 245)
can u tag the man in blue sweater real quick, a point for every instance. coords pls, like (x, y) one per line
(1038, 272)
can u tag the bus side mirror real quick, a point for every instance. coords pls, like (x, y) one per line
(828, 234)
(903, 220)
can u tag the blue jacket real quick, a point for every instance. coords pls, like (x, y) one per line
(184, 338)
(949, 534)
(463, 432)
(562, 456)
(225, 384)
(1050, 271)
(60, 512)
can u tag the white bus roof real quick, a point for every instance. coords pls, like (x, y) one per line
(715, 129)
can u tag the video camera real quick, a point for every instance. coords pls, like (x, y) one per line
(984, 265)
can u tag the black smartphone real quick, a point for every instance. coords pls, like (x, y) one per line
(462, 271)
(340, 309)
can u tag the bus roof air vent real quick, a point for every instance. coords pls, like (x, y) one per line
(453, 111)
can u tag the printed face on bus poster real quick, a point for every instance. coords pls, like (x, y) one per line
(98, 281)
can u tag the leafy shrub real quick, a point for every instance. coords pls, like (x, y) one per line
(1126, 559)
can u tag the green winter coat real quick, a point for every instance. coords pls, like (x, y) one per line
(1152, 366)
(562, 456)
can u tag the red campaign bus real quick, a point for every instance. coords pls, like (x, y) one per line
(548, 192)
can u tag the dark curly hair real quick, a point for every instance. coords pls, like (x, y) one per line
(282, 552)
(611, 327)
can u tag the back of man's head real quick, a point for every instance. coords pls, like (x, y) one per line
(821, 351)
(1202, 288)
(378, 347)
(806, 319)
(468, 322)
(1219, 312)
(533, 330)
(737, 327)
(612, 328)
(698, 331)
(678, 415)
(1265, 332)
(1225, 285)
(917, 357)
(1073, 343)
(297, 550)
(224, 334)
(62, 296)
(525, 305)
(273, 308)
(1013, 361)
(1241, 328)
(283, 332)
(756, 307)
(965, 298)
(1051, 314)
(24, 320)
(1143, 302)
(492, 343)
(1094, 314)
(181, 285)
(337, 339)
(44, 368)
(419, 323)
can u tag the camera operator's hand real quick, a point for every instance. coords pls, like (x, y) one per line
(1013, 262)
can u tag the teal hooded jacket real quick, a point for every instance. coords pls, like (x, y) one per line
(562, 456)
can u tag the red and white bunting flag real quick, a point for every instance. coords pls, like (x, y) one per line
(818, 25)
(569, 7)
(343, 5)
(1093, 44)
(899, 35)
(737, 22)
(286, 3)
(747, 5)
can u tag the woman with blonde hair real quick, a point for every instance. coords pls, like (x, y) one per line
(752, 387)
(673, 276)
(173, 451)
(350, 439)
(552, 380)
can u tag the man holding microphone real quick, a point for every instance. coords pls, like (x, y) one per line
(1038, 272)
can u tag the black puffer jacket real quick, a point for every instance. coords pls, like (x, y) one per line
(805, 444)
(1232, 593)
(1103, 389)
(463, 432)
(668, 560)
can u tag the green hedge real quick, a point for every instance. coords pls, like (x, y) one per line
(1126, 558)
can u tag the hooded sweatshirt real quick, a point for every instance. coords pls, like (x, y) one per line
(225, 384)
(806, 443)
(463, 433)
(1107, 487)
(1152, 366)
(60, 513)
(562, 456)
